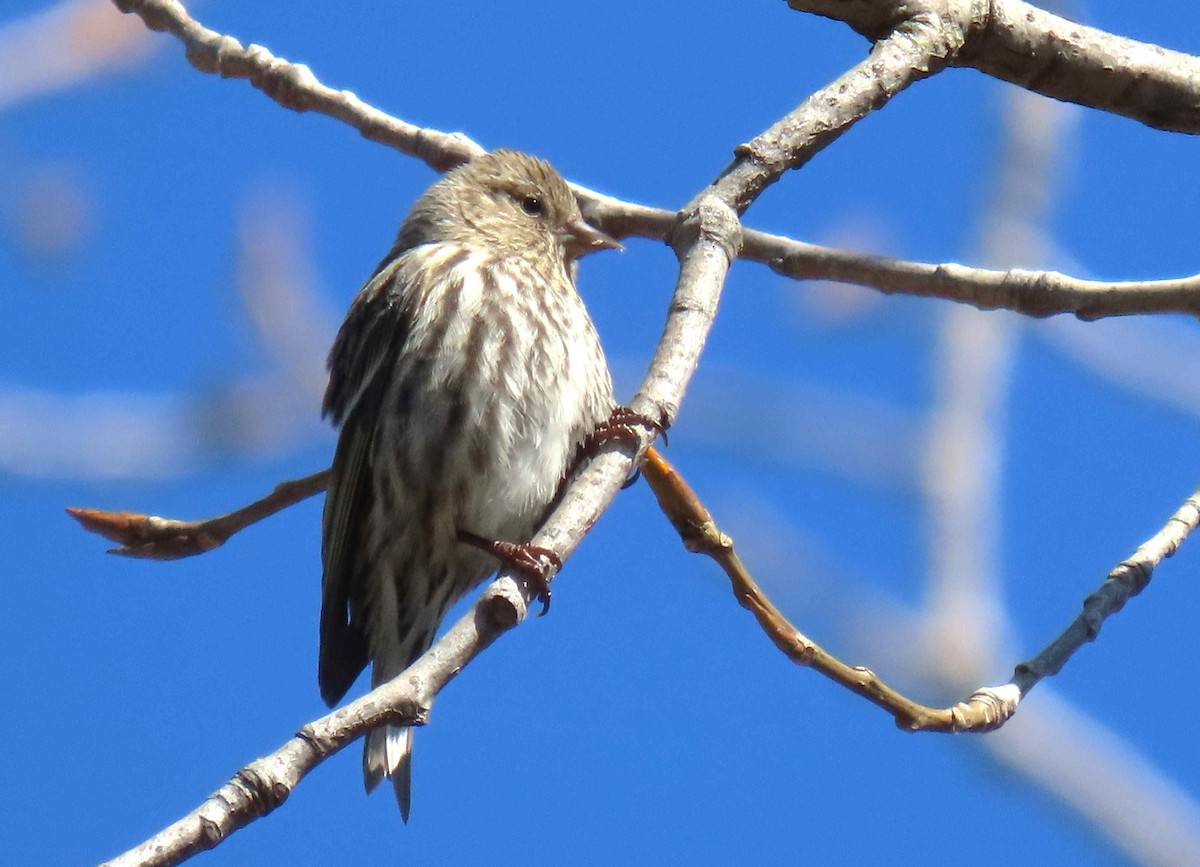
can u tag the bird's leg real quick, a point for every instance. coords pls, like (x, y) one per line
(537, 564)
(621, 426)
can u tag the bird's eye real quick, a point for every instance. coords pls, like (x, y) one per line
(532, 205)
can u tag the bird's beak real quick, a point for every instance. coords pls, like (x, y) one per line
(582, 238)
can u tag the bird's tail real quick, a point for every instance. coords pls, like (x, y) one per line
(388, 753)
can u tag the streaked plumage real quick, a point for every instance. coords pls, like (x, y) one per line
(464, 379)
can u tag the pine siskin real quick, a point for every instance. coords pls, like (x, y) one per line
(465, 379)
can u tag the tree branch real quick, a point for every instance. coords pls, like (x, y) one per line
(918, 47)
(1127, 579)
(987, 708)
(166, 539)
(264, 784)
(706, 237)
(1048, 54)
(928, 41)
(1033, 293)
(294, 86)
(153, 538)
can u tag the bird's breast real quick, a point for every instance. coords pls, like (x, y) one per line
(504, 377)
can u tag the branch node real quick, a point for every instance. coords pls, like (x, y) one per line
(157, 18)
(804, 651)
(987, 709)
(262, 792)
(289, 84)
(503, 606)
(408, 711)
(709, 220)
(210, 832)
(320, 743)
(1092, 617)
(1135, 574)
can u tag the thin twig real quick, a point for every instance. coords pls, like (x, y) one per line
(167, 539)
(986, 709)
(1033, 293)
(153, 538)
(1125, 581)
(917, 48)
(706, 237)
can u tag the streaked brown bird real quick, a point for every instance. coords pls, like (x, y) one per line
(465, 379)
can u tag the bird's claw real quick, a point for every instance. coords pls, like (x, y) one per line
(536, 563)
(622, 426)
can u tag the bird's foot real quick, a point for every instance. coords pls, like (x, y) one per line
(538, 564)
(621, 426)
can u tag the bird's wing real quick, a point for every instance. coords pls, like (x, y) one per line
(361, 366)
(375, 328)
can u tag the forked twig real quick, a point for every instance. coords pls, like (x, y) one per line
(987, 708)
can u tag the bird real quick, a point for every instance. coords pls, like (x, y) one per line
(465, 381)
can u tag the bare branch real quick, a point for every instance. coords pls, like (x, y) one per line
(154, 538)
(917, 48)
(988, 708)
(1125, 581)
(263, 785)
(706, 240)
(926, 43)
(985, 710)
(1050, 55)
(708, 235)
(294, 86)
(1033, 293)
(64, 44)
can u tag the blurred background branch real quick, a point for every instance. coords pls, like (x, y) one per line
(66, 44)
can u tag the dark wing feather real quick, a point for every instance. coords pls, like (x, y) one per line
(360, 369)
(376, 325)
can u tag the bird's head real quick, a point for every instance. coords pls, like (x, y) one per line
(507, 202)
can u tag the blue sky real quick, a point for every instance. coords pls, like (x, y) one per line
(646, 719)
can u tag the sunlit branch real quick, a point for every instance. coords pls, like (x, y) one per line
(153, 538)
